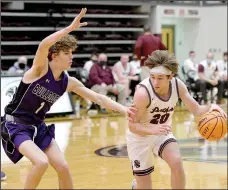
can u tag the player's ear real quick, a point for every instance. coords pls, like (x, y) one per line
(54, 55)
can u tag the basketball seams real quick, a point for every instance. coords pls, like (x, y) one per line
(213, 128)
(210, 113)
(208, 121)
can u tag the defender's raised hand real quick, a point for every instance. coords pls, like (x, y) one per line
(76, 22)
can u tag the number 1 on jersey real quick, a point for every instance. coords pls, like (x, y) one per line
(41, 106)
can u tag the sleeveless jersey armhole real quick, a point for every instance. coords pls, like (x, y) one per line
(177, 88)
(142, 85)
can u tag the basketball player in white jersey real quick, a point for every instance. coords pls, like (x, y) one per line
(155, 100)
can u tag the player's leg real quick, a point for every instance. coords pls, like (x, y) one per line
(142, 182)
(58, 162)
(140, 154)
(39, 160)
(170, 152)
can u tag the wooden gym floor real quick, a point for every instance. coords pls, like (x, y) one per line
(96, 152)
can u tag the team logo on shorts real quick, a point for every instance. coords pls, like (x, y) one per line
(137, 163)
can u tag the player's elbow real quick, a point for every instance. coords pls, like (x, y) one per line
(43, 46)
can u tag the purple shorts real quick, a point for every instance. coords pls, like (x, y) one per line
(41, 135)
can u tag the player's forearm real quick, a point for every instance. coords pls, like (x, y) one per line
(53, 38)
(201, 109)
(108, 103)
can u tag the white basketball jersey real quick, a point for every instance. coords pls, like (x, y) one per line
(159, 111)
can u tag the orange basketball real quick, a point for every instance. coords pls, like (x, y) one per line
(212, 126)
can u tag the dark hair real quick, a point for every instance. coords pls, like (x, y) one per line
(225, 53)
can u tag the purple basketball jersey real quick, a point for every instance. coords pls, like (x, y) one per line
(32, 101)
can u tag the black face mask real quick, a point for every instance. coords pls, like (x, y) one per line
(21, 66)
(102, 63)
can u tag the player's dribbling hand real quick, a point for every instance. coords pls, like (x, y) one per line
(161, 130)
(215, 107)
(76, 22)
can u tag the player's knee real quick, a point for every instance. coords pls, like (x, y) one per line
(62, 168)
(42, 163)
(176, 162)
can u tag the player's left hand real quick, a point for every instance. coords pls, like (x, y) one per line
(215, 107)
(131, 112)
(76, 22)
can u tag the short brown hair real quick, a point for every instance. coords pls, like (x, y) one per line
(65, 43)
(162, 58)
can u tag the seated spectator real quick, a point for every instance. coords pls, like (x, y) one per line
(222, 69)
(102, 81)
(191, 67)
(208, 73)
(135, 63)
(89, 64)
(123, 73)
(190, 71)
(20, 66)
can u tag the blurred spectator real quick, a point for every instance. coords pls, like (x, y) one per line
(20, 66)
(123, 73)
(89, 64)
(135, 63)
(102, 81)
(145, 45)
(191, 67)
(190, 71)
(208, 73)
(222, 69)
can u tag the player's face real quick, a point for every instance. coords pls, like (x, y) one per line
(64, 59)
(160, 82)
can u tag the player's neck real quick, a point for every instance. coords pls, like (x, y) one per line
(164, 92)
(56, 72)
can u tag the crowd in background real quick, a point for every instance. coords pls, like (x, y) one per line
(207, 79)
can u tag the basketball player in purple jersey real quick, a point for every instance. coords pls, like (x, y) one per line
(155, 100)
(25, 133)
